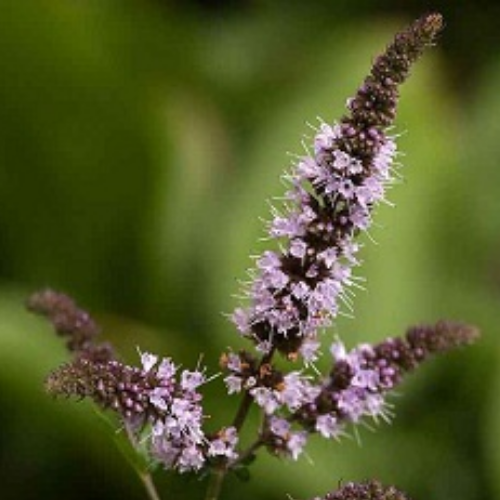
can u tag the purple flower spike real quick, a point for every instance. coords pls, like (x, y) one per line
(156, 395)
(369, 490)
(71, 322)
(299, 290)
(360, 379)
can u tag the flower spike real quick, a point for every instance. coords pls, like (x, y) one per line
(369, 490)
(71, 322)
(299, 290)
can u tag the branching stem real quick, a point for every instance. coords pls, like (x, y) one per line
(219, 472)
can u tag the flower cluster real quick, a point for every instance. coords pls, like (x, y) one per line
(296, 405)
(369, 490)
(157, 395)
(359, 381)
(298, 290)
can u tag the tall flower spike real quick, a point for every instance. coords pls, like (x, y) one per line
(298, 290)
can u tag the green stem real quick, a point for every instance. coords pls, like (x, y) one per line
(215, 484)
(243, 409)
(149, 485)
(143, 473)
(248, 452)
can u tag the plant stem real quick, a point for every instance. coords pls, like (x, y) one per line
(243, 409)
(219, 472)
(248, 452)
(246, 403)
(144, 475)
(147, 480)
(215, 484)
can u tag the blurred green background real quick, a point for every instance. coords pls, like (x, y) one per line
(139, 141)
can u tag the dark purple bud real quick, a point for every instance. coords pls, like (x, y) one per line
(71, 322)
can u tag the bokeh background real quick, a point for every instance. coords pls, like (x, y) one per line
(139, 141)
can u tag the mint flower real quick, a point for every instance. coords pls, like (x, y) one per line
(296, 405)
(360, 379)
(369, 490)
(300, 288)
(158, 395)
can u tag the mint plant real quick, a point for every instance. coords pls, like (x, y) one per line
(298, 288)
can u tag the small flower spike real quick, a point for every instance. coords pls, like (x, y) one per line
(369, 490)
(71, 322)
(296, 405)
(158, 395)
(360, 380)
(298, 290)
